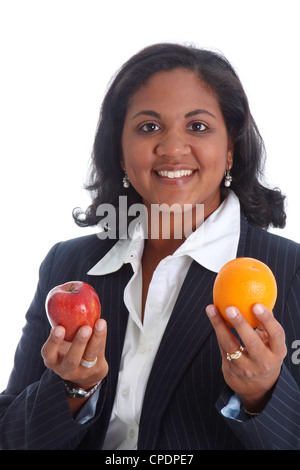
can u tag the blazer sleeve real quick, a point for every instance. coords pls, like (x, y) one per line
(278, 425)
(34, 412)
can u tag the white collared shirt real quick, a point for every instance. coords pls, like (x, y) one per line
(213, 244)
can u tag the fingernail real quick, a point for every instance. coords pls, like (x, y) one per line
(211, 310)
(85, 331)
(59, 331)
(231, 312)
(258, 309)
(100, 325)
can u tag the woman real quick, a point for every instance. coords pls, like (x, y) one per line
(175, 132)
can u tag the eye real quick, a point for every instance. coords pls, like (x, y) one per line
(197, 127)
(149, 127)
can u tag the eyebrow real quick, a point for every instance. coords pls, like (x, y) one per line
(158, 116)
(147, 113)
(199, 111)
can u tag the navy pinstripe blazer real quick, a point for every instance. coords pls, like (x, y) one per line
(186, 389)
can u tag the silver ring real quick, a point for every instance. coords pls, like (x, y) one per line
(235, 355)
(88, 364)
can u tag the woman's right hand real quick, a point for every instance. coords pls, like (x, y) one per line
(64, 358)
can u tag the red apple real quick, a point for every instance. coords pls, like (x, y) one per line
(73, 305)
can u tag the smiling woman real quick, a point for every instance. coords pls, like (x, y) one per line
(175, 132)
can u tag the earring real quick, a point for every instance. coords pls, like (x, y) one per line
(228, 179)
(126, 182)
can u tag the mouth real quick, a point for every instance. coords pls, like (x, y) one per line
(174, 174)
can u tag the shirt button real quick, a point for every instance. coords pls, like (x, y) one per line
(131, 433)
(125, 392)
(142, 348)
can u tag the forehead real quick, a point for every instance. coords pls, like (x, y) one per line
(178, 88)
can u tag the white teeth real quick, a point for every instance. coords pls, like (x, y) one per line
(175, 174)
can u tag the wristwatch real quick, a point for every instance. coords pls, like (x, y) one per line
(80, 392)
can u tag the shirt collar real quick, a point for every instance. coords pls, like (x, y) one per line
(212, 245)
(216, 241)
(122, 252)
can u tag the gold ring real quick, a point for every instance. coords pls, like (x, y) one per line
(88, 364)
(235, 355)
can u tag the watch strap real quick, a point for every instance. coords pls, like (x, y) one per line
(75, 392)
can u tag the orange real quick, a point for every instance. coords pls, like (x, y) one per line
(242, 283)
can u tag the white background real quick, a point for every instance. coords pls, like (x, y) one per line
(57, 57)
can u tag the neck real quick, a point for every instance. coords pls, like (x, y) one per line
(159, 248)
(173, 225)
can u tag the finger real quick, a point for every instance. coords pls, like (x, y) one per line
(263, 335)
(228, 343)
(96, 345)
(274, 330)
(74, 355)
(251, 340)
(50, 350)
(255, 342)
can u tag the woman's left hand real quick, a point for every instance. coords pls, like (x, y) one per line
(253, 375)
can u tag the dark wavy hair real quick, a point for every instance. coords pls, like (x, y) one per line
(261, 205)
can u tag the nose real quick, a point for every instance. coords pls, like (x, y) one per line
(172, 144)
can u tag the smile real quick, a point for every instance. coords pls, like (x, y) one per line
(174, 174)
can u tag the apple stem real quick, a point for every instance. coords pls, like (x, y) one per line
(71, 287)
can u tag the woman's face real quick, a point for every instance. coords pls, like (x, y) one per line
(175, 144)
